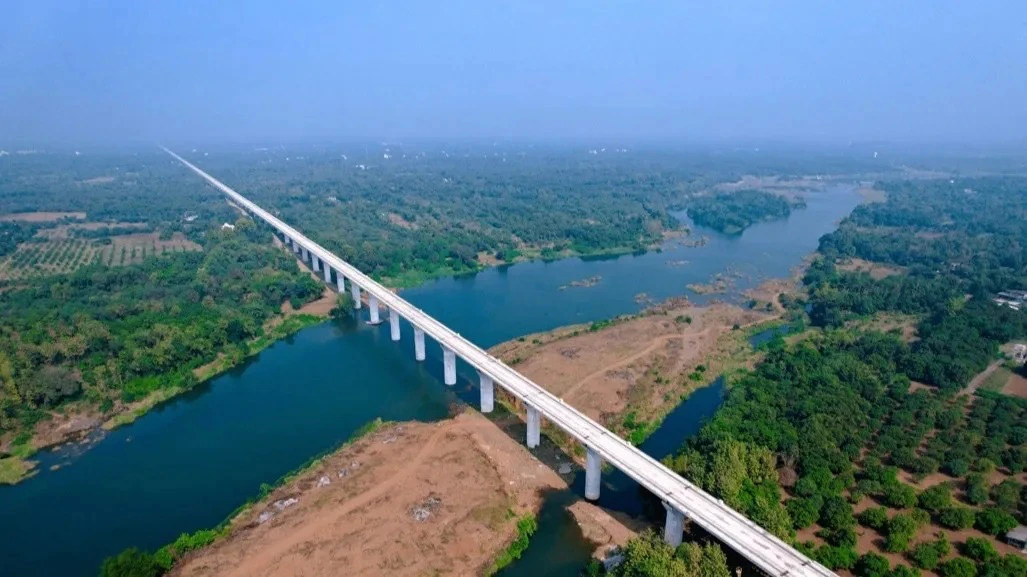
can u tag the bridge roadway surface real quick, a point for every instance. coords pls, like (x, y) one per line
(759, 546)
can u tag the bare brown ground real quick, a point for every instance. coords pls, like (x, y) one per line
(642, 362)
(469, 476)
(40, 216)
(1016, 386)
(876, 270)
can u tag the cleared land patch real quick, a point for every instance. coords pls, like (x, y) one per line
(40, 216)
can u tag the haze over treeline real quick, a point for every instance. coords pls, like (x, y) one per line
(919, 71)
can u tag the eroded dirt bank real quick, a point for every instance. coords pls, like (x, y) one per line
(410, 499)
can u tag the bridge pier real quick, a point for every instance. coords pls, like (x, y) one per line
(488, 393)
(340, 281)
(372, 301)
(355, 289)
(394, 323)
(418, 344)
(314, 262)
(534, 427)
(449, 366)
(675, 526)
(593, 473)
(328, 274)
(306, 255)
(295, 246)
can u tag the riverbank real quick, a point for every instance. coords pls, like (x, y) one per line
(629, 372)
(409, 499)
(76, 423)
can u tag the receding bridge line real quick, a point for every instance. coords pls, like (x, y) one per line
(680, 498)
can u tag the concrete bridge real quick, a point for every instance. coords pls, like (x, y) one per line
(680, 498)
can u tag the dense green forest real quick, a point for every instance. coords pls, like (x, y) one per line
(833, 416)
(961, 241)
(733, 212)
(831, 422)
(114, 334)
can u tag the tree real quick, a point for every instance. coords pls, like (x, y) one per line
(957, 518)
(899, 495)
(935, 498)
(872, 565)
(874, 517)
(647, 555)
(994, 521)
(976, 489)
(836, 513)
(836, 557)
(130, 563)
(928, 554)
(979, 549)
(958, 567)
(1007, 494)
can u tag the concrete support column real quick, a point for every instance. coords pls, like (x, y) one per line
(340, 281)
(394, 324)
(314, 262)
(373, 302)
(593, 472)
(534, 427)
(355, 289)
(449, 366)
(418, 344)
(306, 255)
(328, 274)
(675, 526)
(488, 393)
(295, 246)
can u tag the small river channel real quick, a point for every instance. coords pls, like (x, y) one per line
(189, 463)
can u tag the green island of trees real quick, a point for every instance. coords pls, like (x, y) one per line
(733, 212)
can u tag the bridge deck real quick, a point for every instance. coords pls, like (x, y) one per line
(759, 546)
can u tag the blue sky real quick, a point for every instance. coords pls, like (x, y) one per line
(117, 71)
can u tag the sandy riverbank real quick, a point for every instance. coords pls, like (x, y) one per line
(410, 499)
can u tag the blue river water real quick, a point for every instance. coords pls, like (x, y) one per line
(189, 463)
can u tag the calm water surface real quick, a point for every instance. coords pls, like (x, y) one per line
(188, 464)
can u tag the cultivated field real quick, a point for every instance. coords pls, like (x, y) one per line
(58, 254)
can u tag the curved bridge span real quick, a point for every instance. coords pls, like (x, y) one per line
(680, 498)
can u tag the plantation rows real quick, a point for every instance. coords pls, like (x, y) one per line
(66, 255)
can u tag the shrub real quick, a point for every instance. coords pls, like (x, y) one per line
(994, 521)
(872, 565)
(899, 496)
(935, 498)
(876, 518)
(979, 549)
(130, 563)
(958, 567)
(835, 558)
(957, 518)
(927, 555)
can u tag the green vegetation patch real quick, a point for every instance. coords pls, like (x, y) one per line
(733, 212)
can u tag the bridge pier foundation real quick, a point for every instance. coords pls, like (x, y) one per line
(315, 263)
(340, 281)
(328, 274)
(355, 290)
(306, 255)
(675, 526)
(449, 366)
(394, 323)
(295, 246)
(534, 427)
(372, 302)
(488, 393)
(418, 344)
(593, 473)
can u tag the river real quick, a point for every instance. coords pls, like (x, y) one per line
(189, 463)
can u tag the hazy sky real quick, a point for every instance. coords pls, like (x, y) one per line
(84, 72)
